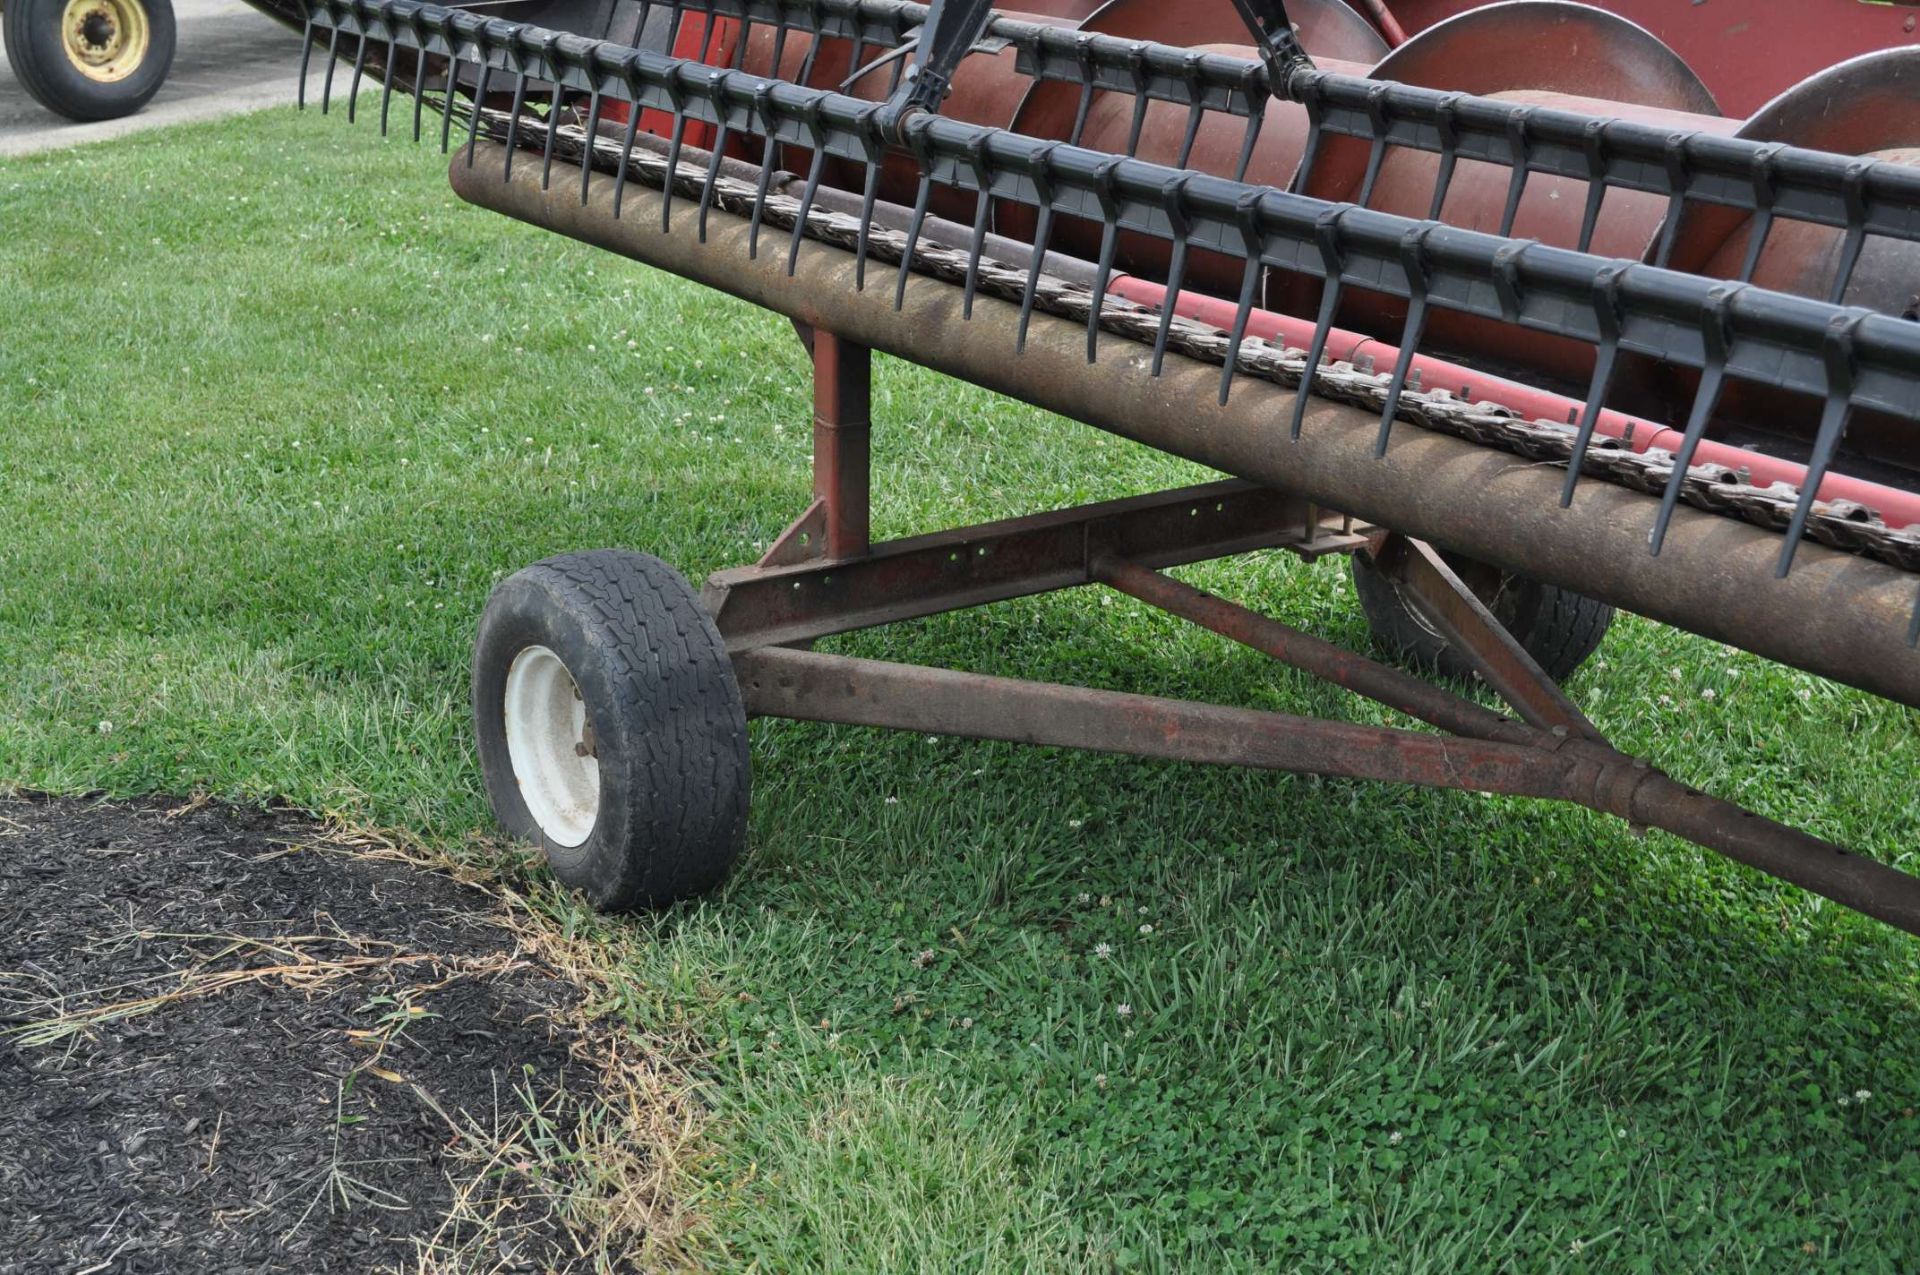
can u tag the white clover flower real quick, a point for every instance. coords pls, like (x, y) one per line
(1708, 693)
(1100, 1081)
(893, 801)
(1861, 1095)
(1083, 897)
(1394, 1138)
(1142, 909)
(1146, 929)
(967, 1023)
(106, 728)
(1103, 950)
(1124, 1010)
(923, 958)
(1076, 824)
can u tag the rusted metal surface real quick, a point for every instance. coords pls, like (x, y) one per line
(1836, 615)
(1528, 52)
(1745, 50)
(842, 431)
(830, 688)
(772, 604)
(1450, 606)
(1398, 690)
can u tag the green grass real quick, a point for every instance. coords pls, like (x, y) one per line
(278, 411)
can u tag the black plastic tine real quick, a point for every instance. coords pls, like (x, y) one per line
(858, 50)
(814, 170)
(763, 106)
(1606, 311)
(513, 122)
(306, 60)
(740, 44)
(326, 82)
(1413, 260)
(419, 77)
(1913, 631)
(677, 100)
(710, 183)
(813, 43)
(779, 40)
(1326, 235)
(586, 150)
(386, 78)
(553, 133)
(897, 68)
(627, 136)
(1449, 131)
(673, 26)
(874, 148)
(1257, 97)
(1853, 185)
(1173, 200)
(1839, 360)
(359, 69)
(446, 105)
(1377, 148)
(1247, 212)
(1042, 178)
(1316, 113)
(1763, 197)
(1593, 137)
(1196, 108)
(977, 244)
(1109, 199)
(1080, 112)
(1517, 122)
(1137, 63)
(1676, 158)
(639, 23)
(473, 120)
(923, 155)
(1715, 336)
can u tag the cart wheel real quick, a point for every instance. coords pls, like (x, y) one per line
(610, 727)
(1557, 627)
(90, 59)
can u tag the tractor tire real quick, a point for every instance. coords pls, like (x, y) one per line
(90, 59)
(610, 729)
(1559, 628)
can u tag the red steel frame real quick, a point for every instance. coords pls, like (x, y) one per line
(825, 576)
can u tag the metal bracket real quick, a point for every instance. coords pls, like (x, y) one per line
(1279, 44)
(948, 35)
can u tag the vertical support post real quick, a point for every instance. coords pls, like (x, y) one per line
(842, 428)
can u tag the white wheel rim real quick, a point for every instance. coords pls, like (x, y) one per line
(551, 747)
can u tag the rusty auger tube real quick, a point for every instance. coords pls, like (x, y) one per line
(1836, 615)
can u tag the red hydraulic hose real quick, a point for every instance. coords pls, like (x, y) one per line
(1383, 18)
(1898, 508)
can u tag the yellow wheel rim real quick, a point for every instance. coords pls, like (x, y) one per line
(106, 40)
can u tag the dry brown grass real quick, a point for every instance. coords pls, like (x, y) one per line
(609, 1163)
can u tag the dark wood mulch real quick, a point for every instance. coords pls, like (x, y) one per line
(242, 1127)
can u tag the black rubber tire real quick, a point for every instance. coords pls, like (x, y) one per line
(669, 725)
(1559, 628)
(35, 51)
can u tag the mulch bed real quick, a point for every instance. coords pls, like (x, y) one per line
(225, 1046)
